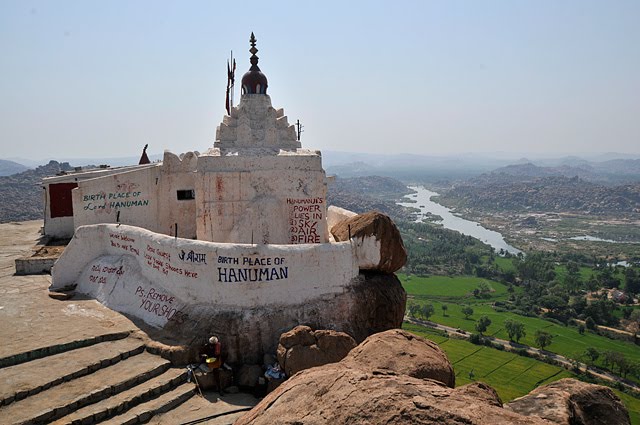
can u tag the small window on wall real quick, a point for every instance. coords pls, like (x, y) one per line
(185, 195)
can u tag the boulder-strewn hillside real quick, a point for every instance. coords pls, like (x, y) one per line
(503, 192)
(9, 167)
(362, 194)
(22, 193)
(618, 171)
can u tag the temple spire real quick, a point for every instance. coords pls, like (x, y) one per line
(253, 51)
(254, 81)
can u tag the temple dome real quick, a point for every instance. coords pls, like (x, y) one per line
(254, 81)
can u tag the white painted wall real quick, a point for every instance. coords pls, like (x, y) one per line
(62, 227)
(125, 266)
(276, 198)
(177, 174)
(146, 197)
(132, 193)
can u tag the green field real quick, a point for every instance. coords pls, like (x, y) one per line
(455, 291)
(509, 374)
(585, 273)
(505, 264)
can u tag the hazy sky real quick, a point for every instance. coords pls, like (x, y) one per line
(88, 78)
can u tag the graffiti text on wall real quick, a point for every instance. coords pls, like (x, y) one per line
(106, 201)
(253, 269)
(100, 273)
(160, 260)
(193, 257)
(305, 216)
(123, 242)
(160, 304)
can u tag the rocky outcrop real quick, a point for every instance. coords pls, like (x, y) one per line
(499, 192)
(362, 194)
(303, 348)
(571, 402)
(403, 353)
(25, 192)
(370, 387)
(398, 378)
(374, 230)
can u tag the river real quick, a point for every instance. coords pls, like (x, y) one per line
(424, 203)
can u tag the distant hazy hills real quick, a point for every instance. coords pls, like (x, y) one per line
(362, 194)
(500, 192)
(605, 168)
(490, 181)
(612, 172)
(9, 167)
(22, 193)
(113, 162)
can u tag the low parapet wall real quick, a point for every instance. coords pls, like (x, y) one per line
(156, 277)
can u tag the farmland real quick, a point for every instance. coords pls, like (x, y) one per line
(456, 293)
(511, 375)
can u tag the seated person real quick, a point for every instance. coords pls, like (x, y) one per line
(211, 356)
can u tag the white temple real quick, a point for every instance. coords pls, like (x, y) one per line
(241, 229)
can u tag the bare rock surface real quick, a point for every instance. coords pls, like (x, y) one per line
(373, 224)
(302, 348)
(400, 352)
(219, 410)
(572, 402)
(397, 378)
(337, 394)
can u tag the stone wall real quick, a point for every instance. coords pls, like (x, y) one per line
(247, 293)
(63, 227)
(146, 197)
(265, 197)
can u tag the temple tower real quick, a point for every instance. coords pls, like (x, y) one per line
(257, 184)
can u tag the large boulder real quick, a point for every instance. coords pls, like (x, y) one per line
(369, 386)
(572, 402)
(334, 394)
(401, 352)
(303, 348)
(379, 245)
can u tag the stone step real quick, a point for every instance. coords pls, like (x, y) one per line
(164, 403)
(26, 379)
(121, 402)
(67, 397)
(210, 409)
(41, 352)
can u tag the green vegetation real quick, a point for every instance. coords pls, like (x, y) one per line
(435, 250)
(511, 375)
(558, 301)
(452, 288)
(456, 292)
(543, 339)
(516, 330)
